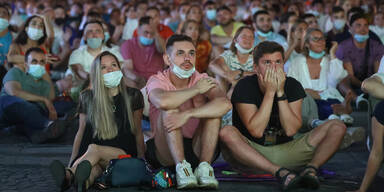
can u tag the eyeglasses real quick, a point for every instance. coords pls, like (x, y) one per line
(317, 39)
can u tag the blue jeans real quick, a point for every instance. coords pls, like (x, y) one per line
(29, 116)
(324, 107)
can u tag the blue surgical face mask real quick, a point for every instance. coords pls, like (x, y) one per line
(339, 24)
(266, 35)
(181, 73)
(361, 38)
(106, 36)
(183, 16)
(315, 55)
(211, 14)
(112, 79)
(94, 43)
(145, 41)
(34, 33)
(36, 71)
(242, 50)
(3, 24)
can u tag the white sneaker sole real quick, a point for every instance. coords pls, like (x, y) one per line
(187, 186)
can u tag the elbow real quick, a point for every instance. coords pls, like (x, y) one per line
(14, 93)
(164, 104)
(366, 86)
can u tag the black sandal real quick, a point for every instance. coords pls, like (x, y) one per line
(293, 183)
(58, 172)
(82, 173)
(308, 180)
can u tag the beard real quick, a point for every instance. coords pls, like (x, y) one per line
(227, 23)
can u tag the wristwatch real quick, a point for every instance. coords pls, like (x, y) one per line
(282, 98)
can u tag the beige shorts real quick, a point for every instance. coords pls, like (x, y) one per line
(292, 155)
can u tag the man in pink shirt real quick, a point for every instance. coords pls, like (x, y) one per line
(185, 114)
(143, 54)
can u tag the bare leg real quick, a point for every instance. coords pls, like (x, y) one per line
(169, 146)
(345, 107)
(327, 139)
(205, 139)
(345, 87)
(96, 153)
(376, 155)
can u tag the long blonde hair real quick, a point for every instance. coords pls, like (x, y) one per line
(100, 110)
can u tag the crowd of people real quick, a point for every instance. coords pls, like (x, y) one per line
(270, 85)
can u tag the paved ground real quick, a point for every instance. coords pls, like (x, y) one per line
(24, 167)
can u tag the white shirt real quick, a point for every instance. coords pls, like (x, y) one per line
(379, 31)
(380, 72)
(332, 72)
(129, 28)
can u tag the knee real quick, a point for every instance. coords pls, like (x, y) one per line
(227, 134)
(92, 148)
(337, 128)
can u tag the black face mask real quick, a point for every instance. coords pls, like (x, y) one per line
(59, 21)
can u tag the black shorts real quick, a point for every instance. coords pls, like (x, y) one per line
(190, 156)
(379, 112)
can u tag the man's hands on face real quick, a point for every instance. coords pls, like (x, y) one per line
(274, 80)
(204, 85)
(175, 120)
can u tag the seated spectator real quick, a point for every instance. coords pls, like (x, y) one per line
(360, 55)
(195, 13)
(317, 9)
(37, 32)
(109, 126)
(378, 26)
(185, 114)
(163, 30)
(253, 7)
(235, 63)
(262, 22)
(81, 59)
(203, 47)
(134, 14)
(358, 10)
(143, 53)
(209, 20)
(375, 87)
(286, 22)
(266, 115)
(26, 99)
(223, 33)
(311, 20)
(179, 16)
(295, 42)
(115, 26)
(319, 75)
(339, 31)
(5, 39)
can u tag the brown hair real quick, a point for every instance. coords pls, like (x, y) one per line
(233, 47)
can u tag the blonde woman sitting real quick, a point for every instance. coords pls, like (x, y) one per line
(109, 126)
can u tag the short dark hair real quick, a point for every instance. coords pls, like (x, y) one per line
(7, 7)
(207, 3)
(337, 10)
(357, 16)
(285, 17)
(32, 49)
(139, 3)
(146, 20)
(354, 10)
(224, 7)
(266, 47)
(261, 12)
(317, 2)
(175, 38)
(308, 15)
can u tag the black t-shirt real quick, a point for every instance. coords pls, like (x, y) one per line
(125, 139)
(248, 91)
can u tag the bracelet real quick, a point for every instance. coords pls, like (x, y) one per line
(282, 98)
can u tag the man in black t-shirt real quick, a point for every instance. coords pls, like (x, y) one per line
(266, 116)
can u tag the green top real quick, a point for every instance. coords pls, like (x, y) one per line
(37, 87)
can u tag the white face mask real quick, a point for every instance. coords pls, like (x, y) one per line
(339, 24)
(35, 34)
(112, 79)
(182, 16)
(3, 24)
(181, 73)
(242, 50)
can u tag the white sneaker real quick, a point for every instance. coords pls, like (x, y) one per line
(184, 176)
(333, 116)
(361, 102)
(206, 176)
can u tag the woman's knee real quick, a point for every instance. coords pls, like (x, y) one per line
(92, 148)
